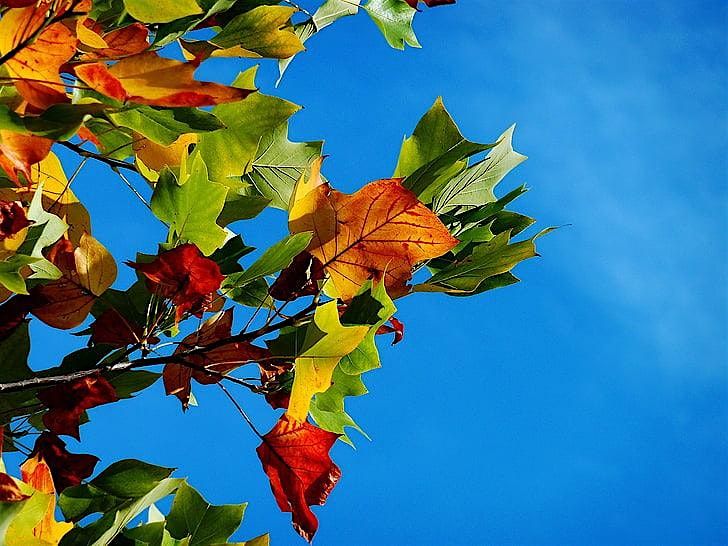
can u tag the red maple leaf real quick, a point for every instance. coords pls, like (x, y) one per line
(67, 469)
(183, 275)
(295, 457)
(67, 402)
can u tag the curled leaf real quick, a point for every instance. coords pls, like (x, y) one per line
(86, 272)
(9, 490)
(395, 327)
(18, 152)
(300, 278)
(67, 469)
(147, 78)
(183, 275)
(220, 360)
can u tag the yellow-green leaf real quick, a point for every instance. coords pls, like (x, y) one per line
(325, 343)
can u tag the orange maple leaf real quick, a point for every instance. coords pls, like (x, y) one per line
(35, 68)
(147, 78)
(18, 152)
(381, 231)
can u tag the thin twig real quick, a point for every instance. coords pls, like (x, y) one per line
(240, 410)
(98, 157)
(132, 188)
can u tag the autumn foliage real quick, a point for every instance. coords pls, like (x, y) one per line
(114, 82)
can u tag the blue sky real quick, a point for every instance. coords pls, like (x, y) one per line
(587, 404)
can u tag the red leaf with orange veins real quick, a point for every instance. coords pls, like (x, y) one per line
(300, 278)
(183, 275)
(295, 457)
(150, 79)
(395, 327)
(67, 402)
(123, 42)
(9, 490)
(12, 219)
(67, 469)
(35, 68)
(18, 152)
(221, 360)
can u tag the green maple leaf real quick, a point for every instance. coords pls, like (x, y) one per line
(230, 152)
(474, 186)
(279, 164)
(371, 307)
(191, 209)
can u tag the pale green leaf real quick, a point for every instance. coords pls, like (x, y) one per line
(474, 186)
(394, 19)
(161, 11)
(165, 125)
(278, 165)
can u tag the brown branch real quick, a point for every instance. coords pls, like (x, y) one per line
(180, 358)
(114, 163)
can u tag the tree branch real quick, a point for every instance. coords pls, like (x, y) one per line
(114, 163)
(180, 358)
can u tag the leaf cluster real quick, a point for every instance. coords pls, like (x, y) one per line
(114, 82)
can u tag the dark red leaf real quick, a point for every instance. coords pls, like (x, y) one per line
(66, 403)
(18, 3)
(114, 329)
(67, 469)
(222, 359)
(276, 379)
(295, 457)
(12, 219)
(300, 278)
(396, 328)
(183, 275)
(13, 313)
